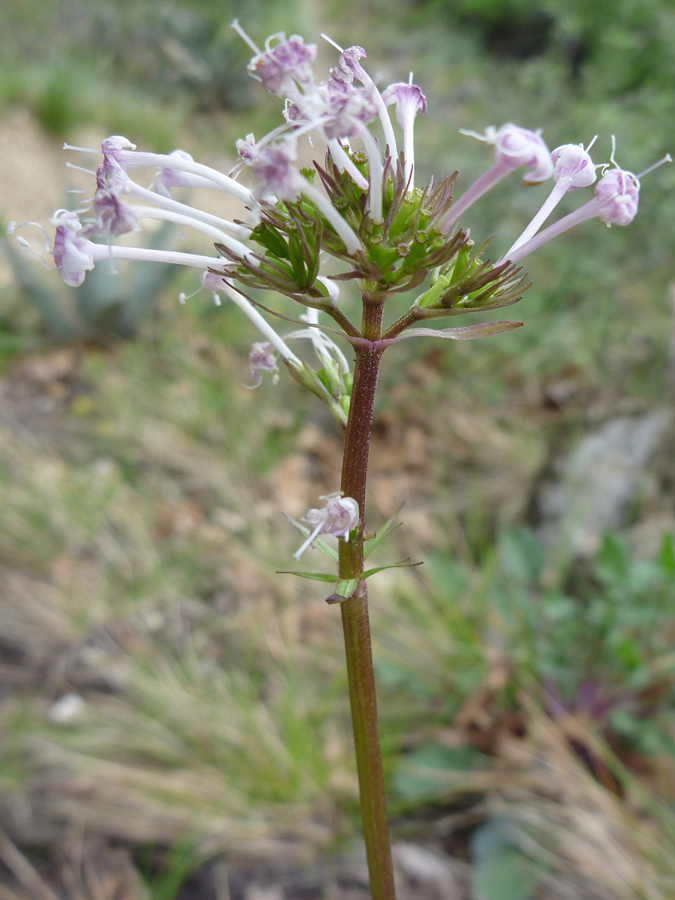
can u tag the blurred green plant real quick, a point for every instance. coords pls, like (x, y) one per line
(175, 50)
(601, 637)
(606, 49)
(596, 642)
(501, 869)
(177, 865)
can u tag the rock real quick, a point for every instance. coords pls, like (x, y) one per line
(593, 487)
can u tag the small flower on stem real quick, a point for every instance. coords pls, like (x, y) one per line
(409, 100)
(113, 217)
(283, 62)
(72, 250)
(272, 164)
(572, 169)
(514, 147)
(75, 255)
(339, 516)
(261, 358)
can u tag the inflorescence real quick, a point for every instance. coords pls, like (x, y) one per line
(358, 216)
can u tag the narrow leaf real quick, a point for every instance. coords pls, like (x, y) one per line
(388, 527)
(312, 576)
(404, 564)
(467, 333)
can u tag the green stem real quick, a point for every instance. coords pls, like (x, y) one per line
(355, 622)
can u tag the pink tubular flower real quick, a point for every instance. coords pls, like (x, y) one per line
(75, 255)
(273, 165)
(169, 178)
(338, 517)
(409, 101)
(514, 147)
(408, 98)
(346, 107)
(349, 68)
(279, 64)
(572, 169)
(261, 359)
(113, 216)
(71, 251)
(572, 164)
(617, 196)
(121, 156)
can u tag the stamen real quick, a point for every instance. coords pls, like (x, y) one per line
(81, 149)
(235, 26)
(12, 228)
(70, 165)
(332, 43)
(666, 159)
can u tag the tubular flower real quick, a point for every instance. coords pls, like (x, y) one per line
(409, 101)
(338, 517)
(572, 169)
(261, 359)
(515, 147)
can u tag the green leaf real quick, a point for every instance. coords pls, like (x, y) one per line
(430, 771)
(612, 563)
(347, 587)
(403, 564)
(466, 333)
(667, 554)
(312, 576)
(344, 590)
(521, 555)
(383, 532)
(506, 875)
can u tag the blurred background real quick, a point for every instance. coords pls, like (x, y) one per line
(173, 714)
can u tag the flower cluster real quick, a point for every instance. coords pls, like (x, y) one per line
(356, 217)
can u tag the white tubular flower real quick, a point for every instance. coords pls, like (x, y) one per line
(332, 359)
(572, 169)
(339, 516)
(409, 101)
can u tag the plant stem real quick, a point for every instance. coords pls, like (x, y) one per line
(355, 622)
